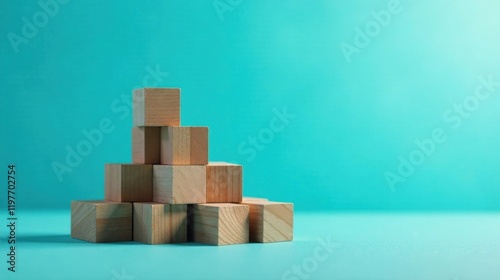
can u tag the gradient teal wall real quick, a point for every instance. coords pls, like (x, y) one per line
(362, 82)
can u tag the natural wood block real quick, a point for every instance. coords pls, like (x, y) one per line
(156, 107)
(250, 199)
(158, 223)
(224, 182)
(179, 184)
(146, 145)
(184, 145)
(219, 223)
(101, 221)
(129, 182)
(270, 221)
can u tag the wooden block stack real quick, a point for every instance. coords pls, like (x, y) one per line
(171, 193)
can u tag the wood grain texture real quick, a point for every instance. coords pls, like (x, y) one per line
(184, 145)
(156, 107)
(224, 182)
(129, 182)
(219, 223)
(101, 221)
(179, 184)
(270, 221)
(146, 145)
(158, 223)
(198, 145)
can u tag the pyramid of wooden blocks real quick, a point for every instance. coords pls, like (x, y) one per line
(171, 193)
(156, 107)
(179, 184)
(101, 221)
(224, 182)
(270, 221)
(184, 145)
(158, 223)
(128, 182)
(219, 223)
(146, 145)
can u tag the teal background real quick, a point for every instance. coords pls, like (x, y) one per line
(353, 120)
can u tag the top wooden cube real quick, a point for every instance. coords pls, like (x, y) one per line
(156, 107)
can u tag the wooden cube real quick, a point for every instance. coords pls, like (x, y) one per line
(156, 107)
(270, 221)
(179, 184)
(219, 223)
(158, 223)
(146, 145)
(129, 182)
(224, 182)
(184, 145)
(101, 221)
